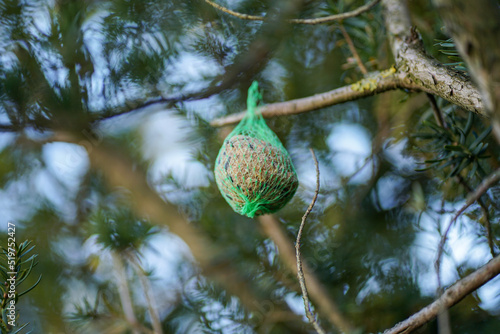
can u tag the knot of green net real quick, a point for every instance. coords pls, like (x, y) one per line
(253, 99)
(253, 170)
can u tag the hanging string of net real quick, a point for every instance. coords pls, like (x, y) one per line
(253, 170)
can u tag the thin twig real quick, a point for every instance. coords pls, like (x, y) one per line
(317, 291)
(443, 318)
(235, 14)
(489, 232)
(300, 272)
(438, 115)
(150, 299)
(124, 292)
(450, 297)
(353, 50)
(337, 17)
(471, 199)
(318, 20)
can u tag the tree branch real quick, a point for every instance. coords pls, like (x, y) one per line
(148, 294)
(416, 70)
(124, 292)
(319, 20)
(364, 88)
(472, 198)
(300, 271)
(338, 17)
(353, 50)
(243, 68)
(450, 297)
(120, 172)
(327, 307)
(461, 288)
(235, 14)
(423, 70)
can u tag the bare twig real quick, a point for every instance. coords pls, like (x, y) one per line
(472, 198)
(318, 293)
(443, 318)
(489, 232)
(450, 297)
(486, 215)
(319, 20)
(353, 50)
(300, 271)
(337, 17)
(235, 14)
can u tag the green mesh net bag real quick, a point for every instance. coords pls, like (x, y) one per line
(253, 170)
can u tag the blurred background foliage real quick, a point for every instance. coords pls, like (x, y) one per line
(391, 175)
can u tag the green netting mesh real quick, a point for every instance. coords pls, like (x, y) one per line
(253, 170)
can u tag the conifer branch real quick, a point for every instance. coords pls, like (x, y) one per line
(450, 297)
(471, 199)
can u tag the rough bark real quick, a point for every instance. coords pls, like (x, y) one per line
(420, 68)
(432, 77)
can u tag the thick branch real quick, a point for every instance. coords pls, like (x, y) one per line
(471, 199)
(437, 79)
(450, 297)
(318, 101)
